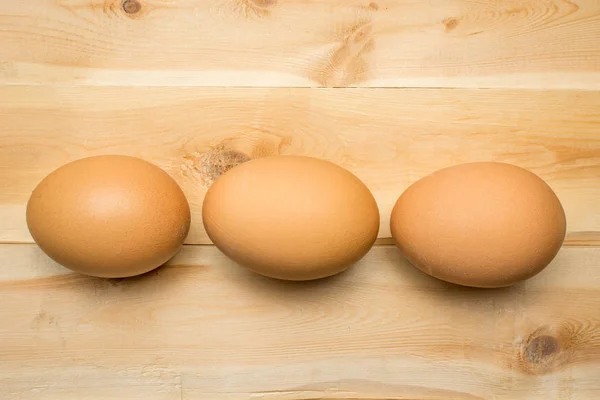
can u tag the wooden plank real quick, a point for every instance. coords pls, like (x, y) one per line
(203, 327)
(387, 137)
(381, 43)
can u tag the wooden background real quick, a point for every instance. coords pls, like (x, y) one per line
(391, 90)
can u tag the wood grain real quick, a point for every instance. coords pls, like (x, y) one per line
(204, 328)
(158, 79)
(387, 137)
(383, 43)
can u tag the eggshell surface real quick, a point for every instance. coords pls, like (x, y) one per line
(291, 217)
(109, 216)
(479, 224)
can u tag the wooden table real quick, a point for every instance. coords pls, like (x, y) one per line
(390, 89)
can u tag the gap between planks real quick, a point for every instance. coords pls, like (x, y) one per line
(584, 239)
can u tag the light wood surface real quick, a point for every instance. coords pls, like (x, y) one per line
(203, 327)
(410, 43)
(199, 86)
(388, 138)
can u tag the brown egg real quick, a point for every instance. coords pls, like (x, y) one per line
(479, 224)
(291, 217)
(109, 216)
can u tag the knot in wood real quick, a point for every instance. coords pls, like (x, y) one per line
(450, 23)
(132, 6)
(547, 350)
(541, 348)
(216, 162)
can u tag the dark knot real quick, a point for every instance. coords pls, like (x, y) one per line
(132, 6)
